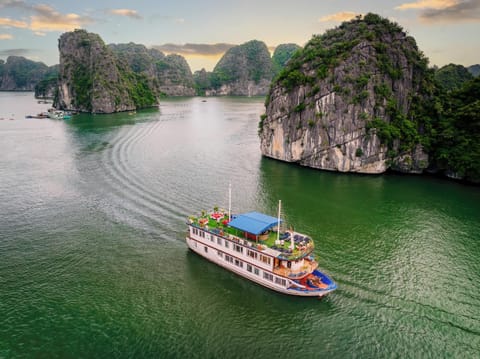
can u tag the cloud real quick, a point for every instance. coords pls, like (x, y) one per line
(15, 52)
(427, 4)
(44, 17)
(195, 49)
(39, 33)
(126, 12)
(338, 17)
(157, 17)
(7, 22)
(6, 37)
(446, 10)
(47, 18)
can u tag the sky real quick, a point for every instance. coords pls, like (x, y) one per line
(447, 31)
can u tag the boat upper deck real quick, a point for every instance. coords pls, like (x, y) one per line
(270, 242)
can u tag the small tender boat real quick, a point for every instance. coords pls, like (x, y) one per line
(59, 114)
(254, 246)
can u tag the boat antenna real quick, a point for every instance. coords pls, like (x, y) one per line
(278, 225)
(229, 201)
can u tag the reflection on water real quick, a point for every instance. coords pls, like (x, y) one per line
(93, 260)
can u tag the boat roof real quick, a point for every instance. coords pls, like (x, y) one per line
(253, 222)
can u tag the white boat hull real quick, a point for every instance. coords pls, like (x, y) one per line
(212, 254)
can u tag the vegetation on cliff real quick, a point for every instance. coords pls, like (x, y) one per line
(361, 98)
(364, 80)
(93, 79)
(169, 75)
(249, 61)
(474, 70)
(456, 140)
(20, 74)
(452, 77)
(47, 87)
(282, 55)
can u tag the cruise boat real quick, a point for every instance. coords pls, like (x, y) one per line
(254, 246)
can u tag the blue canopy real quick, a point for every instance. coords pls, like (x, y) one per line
(253, 222)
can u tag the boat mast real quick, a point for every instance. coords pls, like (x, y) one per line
(229, 202)
(278, 224)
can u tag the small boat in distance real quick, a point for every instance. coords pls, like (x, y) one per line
(254, 246)
(59, 114)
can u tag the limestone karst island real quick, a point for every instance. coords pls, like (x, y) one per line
(359, 98)
(249, 179)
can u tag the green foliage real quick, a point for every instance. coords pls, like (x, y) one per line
(311, 123)
(359, 152)
(82, 81)
(262, 121)
(141, 93)
(282, 55)
(292, 79)
(474, 70)
(359, 97)
(300, 107)
(362, 81)
(457, 141)
(24, 73)
(452, 77)
(249, 61)
(382, 91)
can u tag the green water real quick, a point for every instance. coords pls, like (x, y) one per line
(93, 261)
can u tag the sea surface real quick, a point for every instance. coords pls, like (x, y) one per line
(93, 262)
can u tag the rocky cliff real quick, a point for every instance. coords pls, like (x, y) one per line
(244, 70)
(20, 74)
(170, 75)
(351, 101)
(92, 79)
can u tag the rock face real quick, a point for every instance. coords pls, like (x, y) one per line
(169, 75)
(20, 74)
(92, 79)
(244, 70)
(350, 101)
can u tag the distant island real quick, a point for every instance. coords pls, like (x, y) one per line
(361, 98)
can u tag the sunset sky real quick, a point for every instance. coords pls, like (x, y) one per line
(447, 31)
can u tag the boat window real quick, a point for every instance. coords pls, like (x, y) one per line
(249, 267)
(256, 271)
(219, 240)
(226, 244)
(206, 249)
(268, 276)
(220, 254)
(265, 259)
